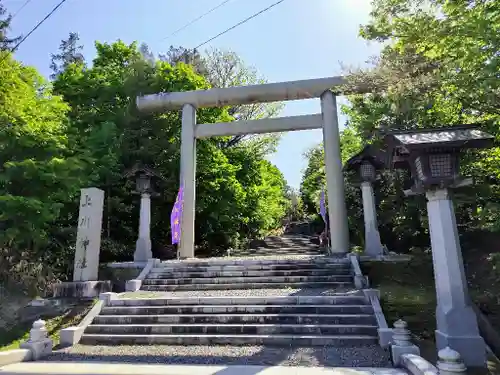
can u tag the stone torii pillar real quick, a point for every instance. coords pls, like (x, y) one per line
(327, 120)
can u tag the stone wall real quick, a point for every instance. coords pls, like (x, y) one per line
(119, 274)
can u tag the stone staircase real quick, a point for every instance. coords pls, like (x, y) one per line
(324, 309)
(287, 244)
(249, 274)
(342, 320)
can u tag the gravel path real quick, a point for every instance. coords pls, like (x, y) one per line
(241, 293)
(369, 356)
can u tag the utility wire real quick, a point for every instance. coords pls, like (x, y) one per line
(20, 9)
(38, 25)
(239, 23)
(196, 19)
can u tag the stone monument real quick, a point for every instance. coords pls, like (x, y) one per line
(88, 242)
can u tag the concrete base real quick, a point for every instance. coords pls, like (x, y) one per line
(81, 289)
(143, 250)
(39, 349)
(471, 348)
(70, 336)
(133, 285)
(397, 351)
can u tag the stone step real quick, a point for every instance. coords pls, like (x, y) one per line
(247, 279)
(232, 329)
(338, 299)
(262, 273)
(362, 316)
(322, 260)
(241, 309)
(333, 268)
(197, 339)
(248, 285)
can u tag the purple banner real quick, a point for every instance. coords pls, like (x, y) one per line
(175, 217)
(322, 205)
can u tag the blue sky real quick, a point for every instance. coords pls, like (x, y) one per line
(297, 39)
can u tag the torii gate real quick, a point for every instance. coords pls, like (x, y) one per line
(271, 92)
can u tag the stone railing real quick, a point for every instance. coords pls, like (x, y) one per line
(72, 335)
(360, 281)
(135, 284)
(372, 296)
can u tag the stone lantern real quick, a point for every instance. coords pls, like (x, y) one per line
(432, 156)
(144, 181)
(366, 164)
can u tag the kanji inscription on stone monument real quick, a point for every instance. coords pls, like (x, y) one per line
(88, 239)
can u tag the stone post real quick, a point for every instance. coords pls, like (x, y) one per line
(457, 326)
(337, 212)
(188, 178)
(143, 244)
(373, 245)
(401, 342)
(38, 343)
(88, 238)
(450, 363)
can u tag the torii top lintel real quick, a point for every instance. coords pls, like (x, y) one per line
(216, 97)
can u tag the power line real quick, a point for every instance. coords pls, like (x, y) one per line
(239, 23)
(196, 19)
(20, 9)
(37, 25)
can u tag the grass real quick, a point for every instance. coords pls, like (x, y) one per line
(55, 321)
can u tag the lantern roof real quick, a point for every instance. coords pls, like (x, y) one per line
(457, 136)
(370, 153)
(401, 143)
(139, 168)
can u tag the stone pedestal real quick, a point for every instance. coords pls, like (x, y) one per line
(457, 326)
(373, 245)
(143, 244)
(81, 289)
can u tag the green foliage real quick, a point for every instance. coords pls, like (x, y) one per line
(39, 172)
(6, 42)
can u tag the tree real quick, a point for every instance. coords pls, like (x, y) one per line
(439, 66)
(69, 53)
(38, 174)
(6, 42)
(225, 68)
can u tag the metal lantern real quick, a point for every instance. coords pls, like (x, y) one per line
(366, 163)
(367, 171)
(143, 183)
(433, 155)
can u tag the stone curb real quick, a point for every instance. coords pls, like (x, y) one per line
(71, 335)
(15, 356)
